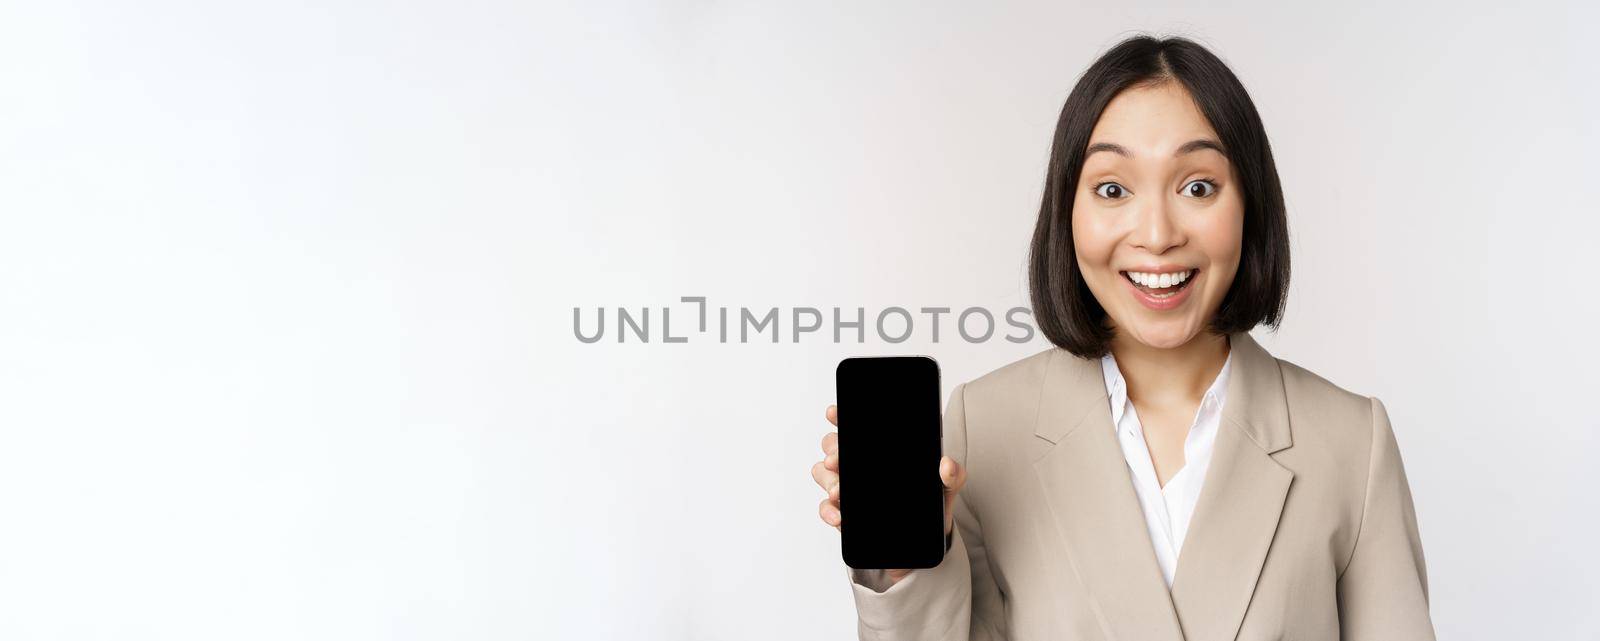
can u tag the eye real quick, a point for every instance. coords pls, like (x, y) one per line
(1200, 188)
(1110, 190)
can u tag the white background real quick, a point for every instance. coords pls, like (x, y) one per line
(286, 294)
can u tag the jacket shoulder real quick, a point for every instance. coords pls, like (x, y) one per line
(1336, 415)
(997, 417)
(1003, 404)
(1308, 386)
(1023, 373)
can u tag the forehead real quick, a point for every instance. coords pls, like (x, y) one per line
(1152, 120)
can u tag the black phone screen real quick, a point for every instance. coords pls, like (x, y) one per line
(891, 500)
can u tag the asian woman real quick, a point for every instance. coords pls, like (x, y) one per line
(1158, 475)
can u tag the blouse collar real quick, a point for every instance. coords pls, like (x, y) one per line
(1117, 388)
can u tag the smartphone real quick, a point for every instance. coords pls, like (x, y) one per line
(891, 498)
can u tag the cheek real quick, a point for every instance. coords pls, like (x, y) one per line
(1221, 237)
(1093, 241)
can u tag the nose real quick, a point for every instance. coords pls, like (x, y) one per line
(1156, 230)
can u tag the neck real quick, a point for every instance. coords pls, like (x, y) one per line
(1178, 374)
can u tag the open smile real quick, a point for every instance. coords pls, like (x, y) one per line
(1161, 290)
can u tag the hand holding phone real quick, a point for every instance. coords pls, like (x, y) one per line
(891, 414)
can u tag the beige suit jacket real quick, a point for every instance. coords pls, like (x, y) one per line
(1304, 528)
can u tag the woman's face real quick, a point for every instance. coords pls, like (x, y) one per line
(1158, 216)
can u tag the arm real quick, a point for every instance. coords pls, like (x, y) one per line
(1383, 589)
(956, 601)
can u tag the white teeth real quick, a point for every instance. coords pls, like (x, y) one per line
(1157, 281)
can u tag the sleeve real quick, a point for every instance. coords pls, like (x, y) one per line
(956, 601)
(1383, 589)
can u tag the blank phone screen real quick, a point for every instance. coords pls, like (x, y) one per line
(891, 500)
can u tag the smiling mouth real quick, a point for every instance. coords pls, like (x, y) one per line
(1160, 286)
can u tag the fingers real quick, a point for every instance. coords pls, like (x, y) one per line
(826, 472)
(826, 479)
(830, 450)
(830, 441)
(829, 512)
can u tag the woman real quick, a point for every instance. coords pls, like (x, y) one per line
(1075, 477)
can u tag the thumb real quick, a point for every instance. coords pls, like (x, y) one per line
(954, 476)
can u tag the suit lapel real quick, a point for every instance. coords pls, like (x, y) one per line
(1091, 498)
(1087, 486)
(1237, 513)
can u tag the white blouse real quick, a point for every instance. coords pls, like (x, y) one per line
(1166, 509)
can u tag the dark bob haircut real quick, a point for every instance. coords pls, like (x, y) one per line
(1067, 313)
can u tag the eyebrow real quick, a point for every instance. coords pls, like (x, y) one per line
(1188, 147)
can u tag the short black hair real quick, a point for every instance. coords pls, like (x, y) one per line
(1066, 311)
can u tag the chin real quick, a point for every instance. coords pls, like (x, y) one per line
(1164, 335)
